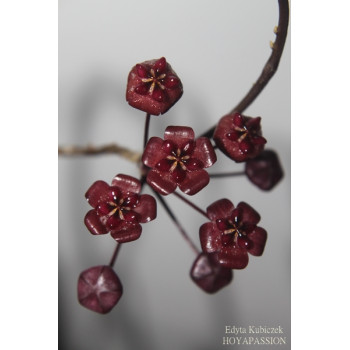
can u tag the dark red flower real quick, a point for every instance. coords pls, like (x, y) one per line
(178, 160)
(208, 274)
(153, 87)
(265, 170)
(99, 289)
(232, 233)
(239, 137)
(119, 209)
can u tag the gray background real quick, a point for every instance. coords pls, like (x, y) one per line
(218, 49)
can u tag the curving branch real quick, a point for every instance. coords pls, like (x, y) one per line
(271, 65)
(93, 150)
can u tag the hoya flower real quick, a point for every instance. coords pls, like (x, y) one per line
(265, 170)
(119, 209)
(99, 289)
(153, 87)
(232, 233)
(208, 274)
(239, 137)
(178, 161)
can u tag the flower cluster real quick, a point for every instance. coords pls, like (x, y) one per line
(179, 160)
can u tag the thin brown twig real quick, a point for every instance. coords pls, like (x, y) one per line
(230, 174)
(271, 65)
(177, 223)
(191, 204)
(97, 150)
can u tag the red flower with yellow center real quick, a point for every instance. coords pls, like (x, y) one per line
(119, 209)
(232, 233)
(178, 161)
(153, 87)
(239, 137)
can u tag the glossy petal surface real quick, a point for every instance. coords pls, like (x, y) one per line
(178, 134)
(127, 233)
(99, 289)
(258, 237)
(94, 224)
(205, 152)
(233, 258)
(127, 183)
(147, 208)
(97, 191)
(162, 183)
(222, 208)
(194, 182)
(249, 214)
(152, 154)
(210, 237)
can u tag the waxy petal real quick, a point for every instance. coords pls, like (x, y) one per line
(178, 175)
(204, 151)
(160, 65)
(93, 223)
(141, 71)
(233, 257)
(159, 95)
(178, 134)
(194, 182)
(127, 232)
(220, 209)
(161, 182)
(153, 152)
(147, 208)
(249, 214)
(127, 183)
(210, 238)
(171, 82)
(97, 192)
(142, 89)
(258, 237)
(193, 164)
(238, 120)
(164, 165)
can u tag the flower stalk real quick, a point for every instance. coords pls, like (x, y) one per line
(177, 223)
(115, 254)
